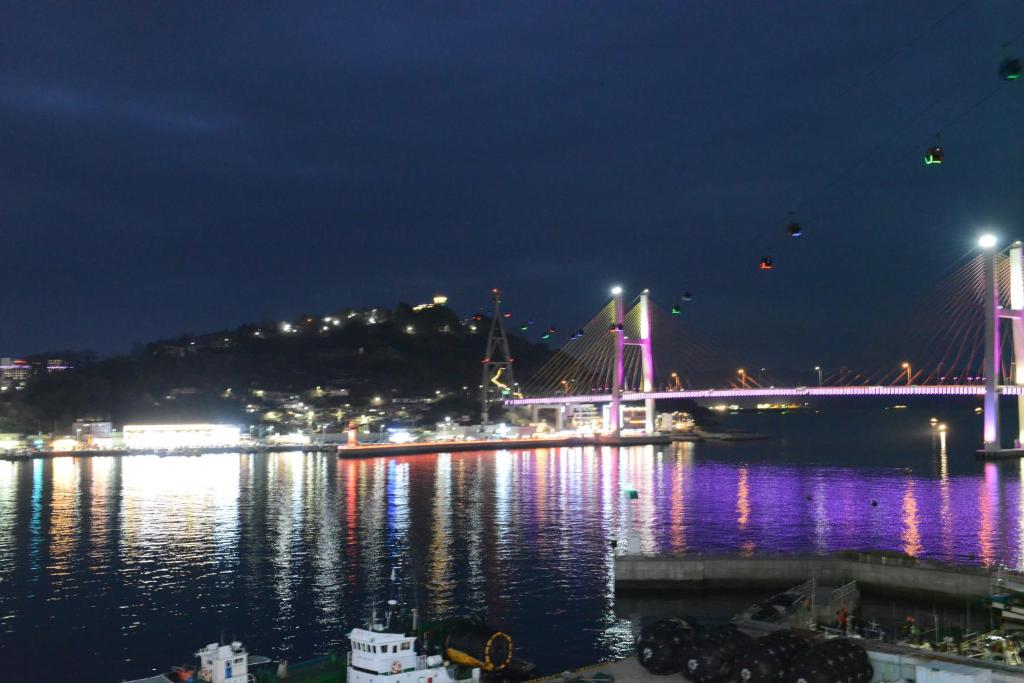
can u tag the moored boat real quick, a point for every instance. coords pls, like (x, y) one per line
(393, 647)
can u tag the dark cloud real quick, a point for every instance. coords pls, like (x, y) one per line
(171, 167)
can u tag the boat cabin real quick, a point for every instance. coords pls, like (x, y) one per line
(382, 653)
(223, 663)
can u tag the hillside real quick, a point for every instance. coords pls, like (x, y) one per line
(337, 362)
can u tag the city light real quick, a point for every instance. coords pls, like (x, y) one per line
(180, 436)
(616, 290)
(987, 241)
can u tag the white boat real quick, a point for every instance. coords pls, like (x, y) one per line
(217, 664)
(380, 656)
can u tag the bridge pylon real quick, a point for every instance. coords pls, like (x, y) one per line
(991, 440)
(646, 360)
(619, 317)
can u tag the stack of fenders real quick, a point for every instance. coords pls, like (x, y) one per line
(720, 654)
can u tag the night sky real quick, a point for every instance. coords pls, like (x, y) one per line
(172, 167)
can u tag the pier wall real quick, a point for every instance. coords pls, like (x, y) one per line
(881, 574)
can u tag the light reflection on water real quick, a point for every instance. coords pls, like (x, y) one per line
(134, 562)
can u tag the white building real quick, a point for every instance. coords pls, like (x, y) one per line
(162, 437)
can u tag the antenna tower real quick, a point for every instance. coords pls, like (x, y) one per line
(498, 378)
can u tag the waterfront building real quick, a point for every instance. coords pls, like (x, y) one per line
(161, 437)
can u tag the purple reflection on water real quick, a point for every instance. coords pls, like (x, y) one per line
(759, 507)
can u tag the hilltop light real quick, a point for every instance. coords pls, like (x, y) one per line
(987, 241)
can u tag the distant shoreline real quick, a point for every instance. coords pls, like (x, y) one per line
(367, 450)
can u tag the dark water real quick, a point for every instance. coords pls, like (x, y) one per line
(118, 566)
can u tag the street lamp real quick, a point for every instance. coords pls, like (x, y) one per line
(817, 368)
(906, 366)
(743, 377)
(987, 241)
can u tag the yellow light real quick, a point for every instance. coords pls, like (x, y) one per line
(62, 445)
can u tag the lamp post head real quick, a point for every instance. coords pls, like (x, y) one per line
(905, 365)
(817, 367)
(616, 290)
(987, 241)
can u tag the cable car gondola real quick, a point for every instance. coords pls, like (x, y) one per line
(794, 230)
(766, 263)
(687, 296)
(676, 310)
(933, 155)
(1010, 69)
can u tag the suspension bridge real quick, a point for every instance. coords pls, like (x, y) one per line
(643, 354)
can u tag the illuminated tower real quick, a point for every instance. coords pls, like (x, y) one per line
(993, 313)
(646, 356)
(498, 379)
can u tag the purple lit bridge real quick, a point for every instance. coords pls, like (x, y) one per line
(967, 342)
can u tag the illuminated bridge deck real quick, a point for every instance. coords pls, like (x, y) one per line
(963, 390)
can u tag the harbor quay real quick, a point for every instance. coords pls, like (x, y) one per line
(373, 450)
(882, 573)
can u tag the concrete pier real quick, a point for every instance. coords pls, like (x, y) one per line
(877, 572)
(892, 663)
